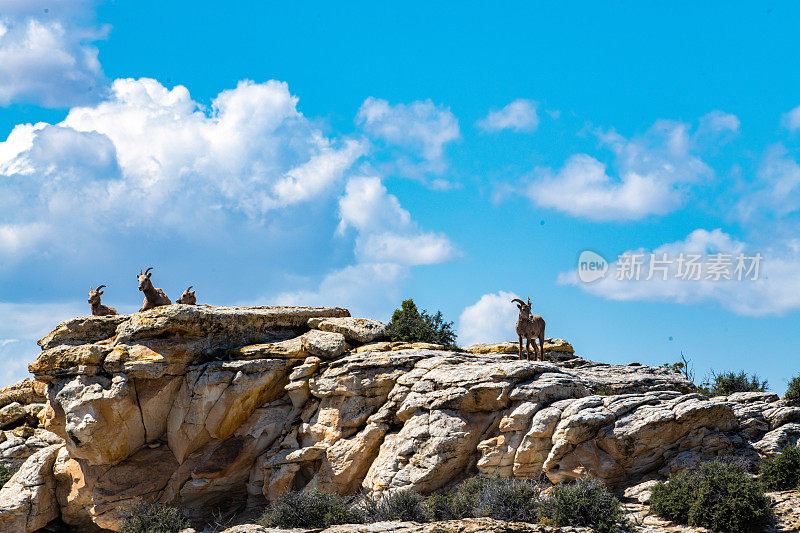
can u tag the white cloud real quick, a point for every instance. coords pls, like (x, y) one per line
(775, 292)
(776, 191)
(386, 233)
(791, 120)
(387, 244)
(582, 188)
(21, 327)
(47, 54)
(719, 121)
(717, 127)
(153, 158)
(655, 170)
(421, 127)
(493, 318)
(369, 289)
(519, 115)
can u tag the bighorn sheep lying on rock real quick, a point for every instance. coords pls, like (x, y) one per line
(153, 297)
(99, 309)
(187, 297)
(531, 327)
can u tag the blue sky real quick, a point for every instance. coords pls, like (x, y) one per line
(364, 153)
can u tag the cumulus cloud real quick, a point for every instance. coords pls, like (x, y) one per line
(654, 173)
(717, 127)
(422, 128)
(520, 115)
(387, 244)
(47, 53)
(369, 289)
(21, 327)
(776, 191)
(776, 291)
(791, 120)
(385, 230)
(152, 157)
(491, 319)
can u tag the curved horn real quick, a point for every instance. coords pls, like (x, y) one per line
(190, 288)
(148, 270)
(100, 287)
(518, 300)
(529, 301)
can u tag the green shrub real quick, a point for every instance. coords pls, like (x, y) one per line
(410, 325)
(585, 502)
(512, 500)
(718, 496)
(730, 382)
(311, 509)
(507, 499)
(459, 502)
(403, 505)
(5, 474)
(154, 518)
(782, 472)
(792, 395)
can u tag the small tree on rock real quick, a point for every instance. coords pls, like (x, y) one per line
(408, 324)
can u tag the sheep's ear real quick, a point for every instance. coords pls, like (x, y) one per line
(149, 274)
(101, 292)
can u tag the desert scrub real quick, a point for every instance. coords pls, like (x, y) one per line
(5, 474)
(512, 500)
(408, 324)
(405, 505)
(718, 496)
(782, 472)
(154, 518)
(792, 395)
(311, 509)
(729, 382)
(459, 502)
(585, 502)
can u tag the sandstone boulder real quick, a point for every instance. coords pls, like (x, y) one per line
(355, 329)
(100, 418)
(28, 501)
(12, 414)
(324, 344)
(83, 330)
(24, 392)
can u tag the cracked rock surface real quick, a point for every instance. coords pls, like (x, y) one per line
(207, 408)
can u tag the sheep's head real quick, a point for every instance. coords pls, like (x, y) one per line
(188, 297)
(522, 306)
(144, 279)
(94, 295)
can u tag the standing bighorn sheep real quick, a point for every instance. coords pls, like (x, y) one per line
(153, 297)
(99, 309)
(531, 327)
(187, 297)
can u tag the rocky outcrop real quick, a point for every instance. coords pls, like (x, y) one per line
(205, 407)
(28, 500)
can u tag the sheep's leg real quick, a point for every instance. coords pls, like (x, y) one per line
(528, 347)
(520, 347)
(536, 351)
(541, 345)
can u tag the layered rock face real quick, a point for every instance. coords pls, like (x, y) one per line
(203, 407)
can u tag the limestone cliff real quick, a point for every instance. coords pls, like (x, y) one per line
(207, 407)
